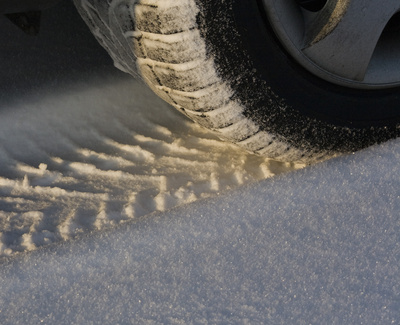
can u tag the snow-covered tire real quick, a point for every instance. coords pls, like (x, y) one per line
(221, 64)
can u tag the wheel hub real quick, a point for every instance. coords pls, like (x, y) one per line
(347, 42)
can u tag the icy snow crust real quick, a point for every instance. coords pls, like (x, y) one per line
(316, 246)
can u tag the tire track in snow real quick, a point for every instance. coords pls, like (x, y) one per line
(102, 155)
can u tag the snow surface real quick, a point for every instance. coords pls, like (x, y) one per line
(318, 245)
(98, 148)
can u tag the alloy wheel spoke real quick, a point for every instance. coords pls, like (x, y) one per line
(342, 37)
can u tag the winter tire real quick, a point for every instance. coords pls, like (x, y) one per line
(268, 75)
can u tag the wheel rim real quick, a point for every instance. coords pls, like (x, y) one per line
(353, 43)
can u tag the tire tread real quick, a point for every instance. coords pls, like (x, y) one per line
(161, 41)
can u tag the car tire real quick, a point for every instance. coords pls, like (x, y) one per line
(223, 65)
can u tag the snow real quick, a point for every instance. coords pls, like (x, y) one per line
(318, 246)
(99, 149)
(81, 159)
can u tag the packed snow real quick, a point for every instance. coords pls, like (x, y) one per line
(115, 209)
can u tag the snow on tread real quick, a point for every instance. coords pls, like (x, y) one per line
(174, 48)
(218, 118)
(165, 17)
(203, 100)
(172, 58)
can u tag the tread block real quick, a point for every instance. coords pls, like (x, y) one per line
(218, 118)
(187, 77)
(170, 19)
(148, 74)
(204, 100)
(175, 48)
(239, 131)
(136, 40)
